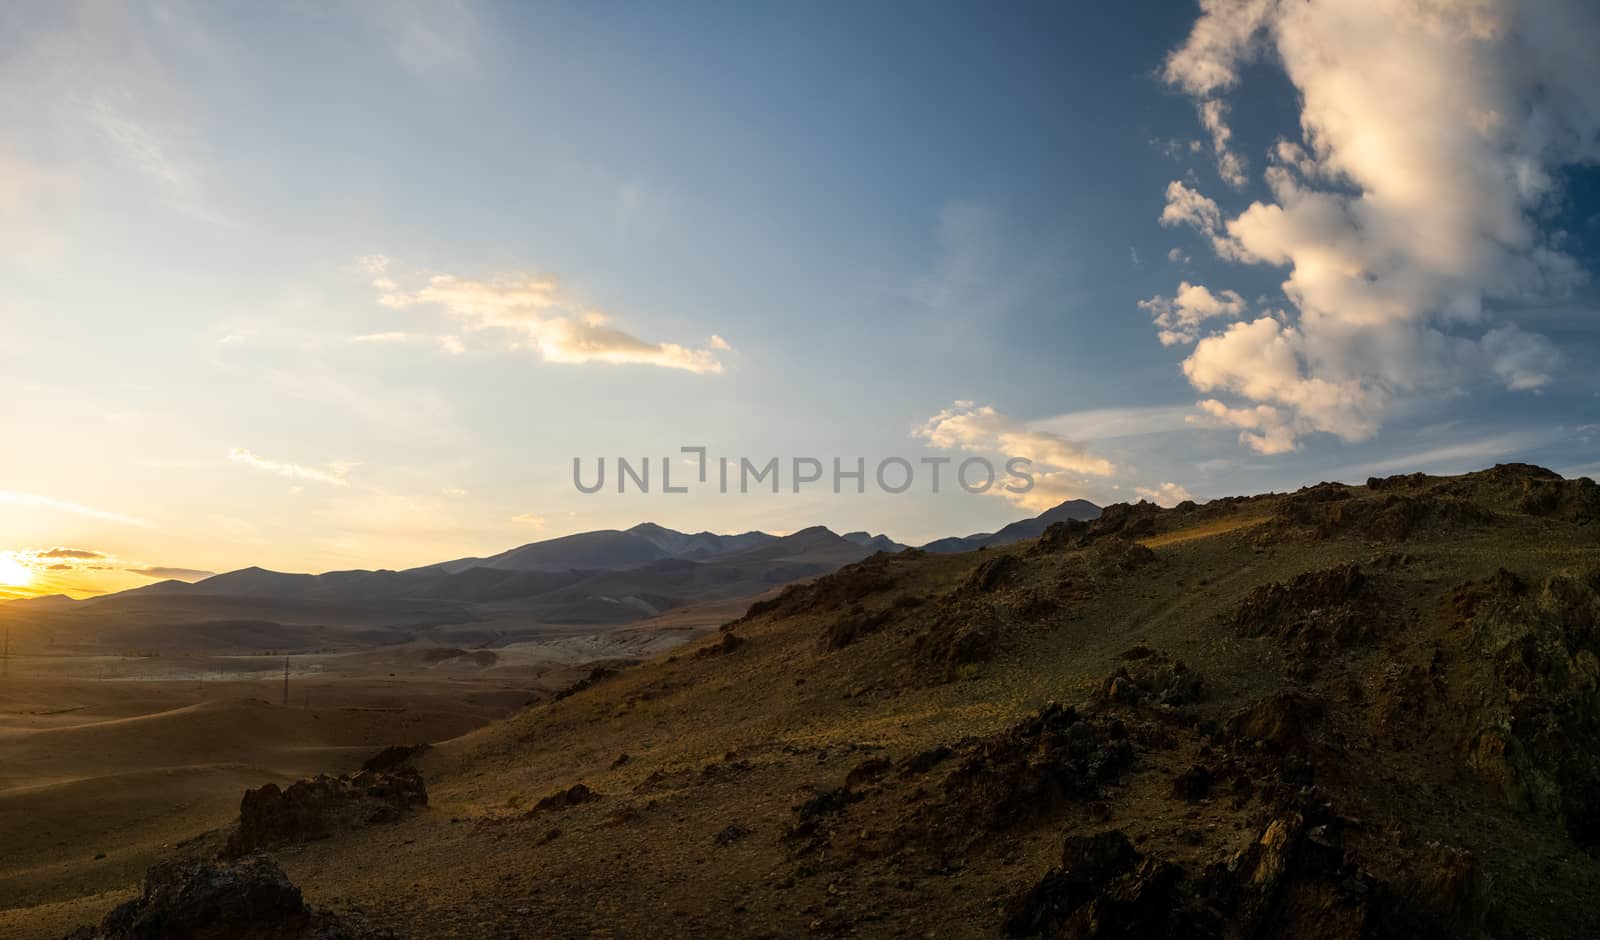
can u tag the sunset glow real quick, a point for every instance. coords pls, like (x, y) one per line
(13, 573)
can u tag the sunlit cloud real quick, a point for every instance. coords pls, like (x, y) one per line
(1059, 467)
(1406, 214)
(530, 519)
(1179, 317)
(160, 573)
(1167, 494)
(77, 554)
(333, 475)
(980, 428)
(536, 313)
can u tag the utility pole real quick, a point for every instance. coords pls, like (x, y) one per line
(285, 680)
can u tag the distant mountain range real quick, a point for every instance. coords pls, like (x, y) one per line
(589, 579)
(1078, 509)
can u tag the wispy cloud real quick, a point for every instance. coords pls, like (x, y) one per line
(34, 500)
(537, 313)
(160, 573)
(333, 475)
(1104, 424)
(76, 554)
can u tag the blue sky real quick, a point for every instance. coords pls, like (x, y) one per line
(812, 230)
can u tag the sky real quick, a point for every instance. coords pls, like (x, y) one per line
(319, 286)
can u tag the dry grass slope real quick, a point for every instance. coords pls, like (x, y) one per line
(1350, 711)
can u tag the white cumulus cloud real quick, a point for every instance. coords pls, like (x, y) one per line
(1407, 211)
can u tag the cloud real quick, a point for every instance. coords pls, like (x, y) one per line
(1430, 141)
(333, 475)
(1266, 431)
(1100, 424)
(13, 498)
(171, 574)
(449, 344)
(540, 315)
(1167, 494)
(1230, 166)
(530, 519)
(1179, 317)
(1186, 206)
(1059, 466)
(980, 428)
(77, 554)
(381, 338)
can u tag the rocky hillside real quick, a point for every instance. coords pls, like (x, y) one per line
(1349, 711)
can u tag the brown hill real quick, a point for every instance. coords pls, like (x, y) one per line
(1349, 711)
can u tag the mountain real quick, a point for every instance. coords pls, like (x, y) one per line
(878, 543)
(1073, 509)
(699, 545)
(595, 579)
(43, 602)
(591, 579)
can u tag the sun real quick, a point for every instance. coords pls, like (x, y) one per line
(13, 573)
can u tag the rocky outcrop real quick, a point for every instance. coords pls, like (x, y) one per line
(1029, 772)
(248, 899)
(1312, 614)
(1150, 678)
(1537, 736)
(1295, 880)
(322, 806)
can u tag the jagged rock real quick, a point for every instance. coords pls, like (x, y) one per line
(856, 623)
(733, 833)
(1538, 740)
(991, 575)
(1118, 556)
(323, 805)
(961, 637)
(867, 771)
(1153, 679)
(726, 644)
(848, 586)
(596, 675)
(826, 803)
(248, 899)
(1060, 537)
(1283, 720)
(1312, 613)
(1028, 772)
(1295, 880)
(1392, 517)
(575, 795)
(1127, 520)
